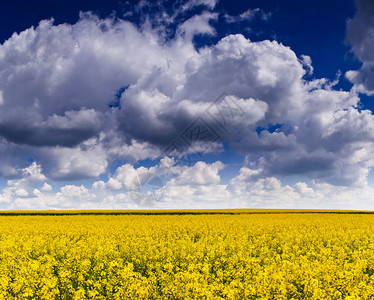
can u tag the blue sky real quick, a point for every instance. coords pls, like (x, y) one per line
(186, 104)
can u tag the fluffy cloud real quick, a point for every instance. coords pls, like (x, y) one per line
(18, 189)
(198, 186)
(56, 81)
(57, 84)
(360, 36)
(78, 97)
(199, 174)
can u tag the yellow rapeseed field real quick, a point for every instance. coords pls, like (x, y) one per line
(188, 256)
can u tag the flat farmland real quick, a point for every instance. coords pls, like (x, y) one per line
(198, 254)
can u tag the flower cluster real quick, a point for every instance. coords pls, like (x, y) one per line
(204, 256)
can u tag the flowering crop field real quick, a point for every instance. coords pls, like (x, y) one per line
(228, 255)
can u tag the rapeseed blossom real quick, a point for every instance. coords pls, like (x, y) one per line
(202, 256)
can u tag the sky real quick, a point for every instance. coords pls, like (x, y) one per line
(186, 104)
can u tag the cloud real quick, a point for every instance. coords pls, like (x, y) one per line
(197, 25)
(46, 187)
(166, 20)
(88, 160)
(200, 174)
(74, 98)
(24, 187)
(57, 83)
(174, 87)
(198, 186)
(307, 62)
(209, 3)
(360, 36)
(61, 78)
(270, 192)
(68, 130)
(247, 15)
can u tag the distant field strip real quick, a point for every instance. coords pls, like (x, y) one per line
(180, 212)
(215, 254)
